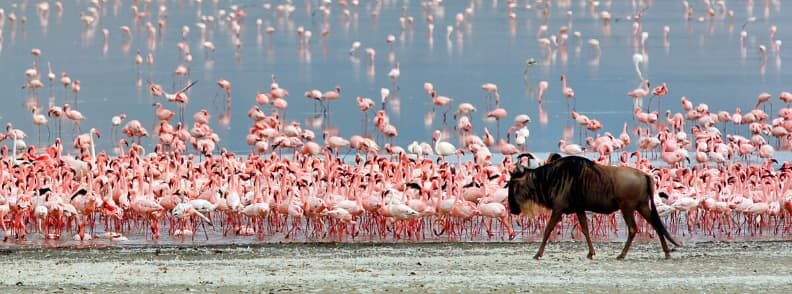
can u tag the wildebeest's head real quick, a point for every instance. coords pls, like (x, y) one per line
(522, 186)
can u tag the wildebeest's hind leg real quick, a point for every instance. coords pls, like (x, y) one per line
(646, 213)
(554, 218)
(629, 220)
(584, 227)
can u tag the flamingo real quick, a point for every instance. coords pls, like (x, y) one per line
(567, 91)
(442, 148)
(570, 149)
(39, 120)
(364, 104)
(497, 114)
(73, 115)
(179, 97)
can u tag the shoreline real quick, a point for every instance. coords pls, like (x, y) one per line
(346, 244)
(447, 267)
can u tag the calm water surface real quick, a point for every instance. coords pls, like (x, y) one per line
(702, 61)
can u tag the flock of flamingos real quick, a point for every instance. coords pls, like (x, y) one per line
(717, 166)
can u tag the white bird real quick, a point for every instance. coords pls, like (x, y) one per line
(79, 167)
(202, 205)
(685, 203)
(662, 208)
(521, 136)
(73, 115)
(85, 141)
(116, 121)
(427, 149)
(569, 149)
(39, 120)
(638, 59)
(50, 74)
(442, 148)
(384, 93)
(15, 134)
(340, 214)
(464, 109)
(415, 148)
(394, 72)
(355, 47)
(260, 209)
(401, 211)
(185, 210)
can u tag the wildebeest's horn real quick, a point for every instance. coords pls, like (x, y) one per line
(526, 154)
(530, 157)
(552, 157)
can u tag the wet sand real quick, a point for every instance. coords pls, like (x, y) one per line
(429, 267)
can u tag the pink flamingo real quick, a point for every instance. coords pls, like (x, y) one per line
(567, 91)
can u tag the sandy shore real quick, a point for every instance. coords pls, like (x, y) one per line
(439, 267)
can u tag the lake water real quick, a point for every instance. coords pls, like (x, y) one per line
(702, 60)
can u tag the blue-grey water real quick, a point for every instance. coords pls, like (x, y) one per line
(702, 60)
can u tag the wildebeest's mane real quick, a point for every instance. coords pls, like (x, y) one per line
(578, 174)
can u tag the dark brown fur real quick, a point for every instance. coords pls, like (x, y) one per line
(575, 185)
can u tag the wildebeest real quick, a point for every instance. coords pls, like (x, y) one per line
(575, 185)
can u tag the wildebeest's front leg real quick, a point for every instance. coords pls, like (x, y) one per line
(629, 220)
(581, 215)
(554, 218)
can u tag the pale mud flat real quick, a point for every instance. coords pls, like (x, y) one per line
(429, 267)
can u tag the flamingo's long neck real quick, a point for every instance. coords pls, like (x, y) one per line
(93, 149)
(256, 190)
(638, 70)
(236, 184)
(13, 154)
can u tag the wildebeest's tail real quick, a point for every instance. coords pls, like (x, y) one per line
(655, 218)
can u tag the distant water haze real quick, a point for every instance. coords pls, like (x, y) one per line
(702, 60)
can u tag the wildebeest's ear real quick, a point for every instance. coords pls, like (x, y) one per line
(552, 157)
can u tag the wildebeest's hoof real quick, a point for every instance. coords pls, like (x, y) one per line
(537, 257)
(668, 255)
(620, 257)
(590, 256)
